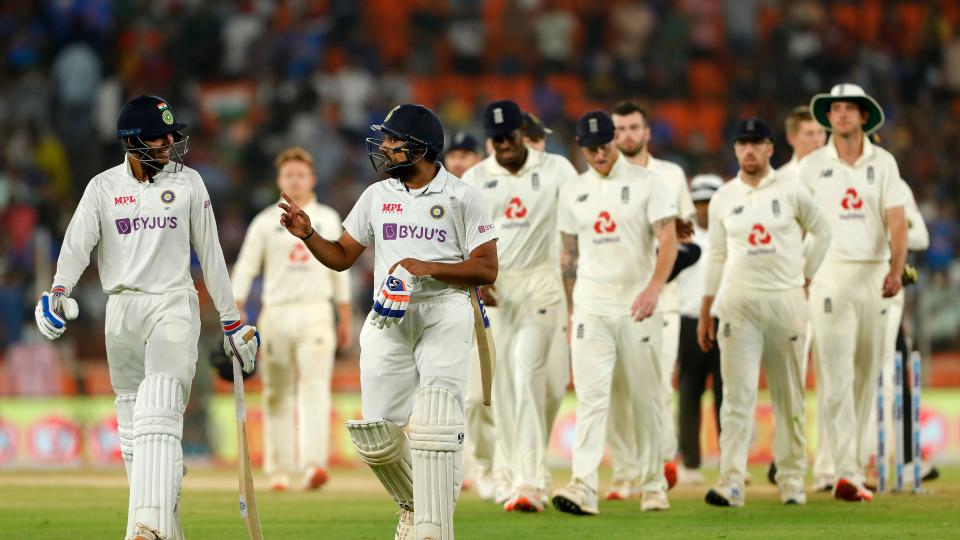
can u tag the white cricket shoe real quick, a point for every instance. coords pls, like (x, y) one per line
(689, 477)
(486, 487)
(145, 532)
(404, 525)
(822, 484)
(655, 501)
(526, 499)
(576, 498)
(792, 495)
(725, 495)
(620, 490)
(503, 489)
(279, 482)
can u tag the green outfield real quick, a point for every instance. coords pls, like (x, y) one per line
(92, 505)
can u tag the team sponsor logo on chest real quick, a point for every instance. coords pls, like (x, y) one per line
(851, 205)
(124, 200)
(514, 214)
(398, 231)
(136, 224)
(391, 208)
(760, 240)
(605, 228)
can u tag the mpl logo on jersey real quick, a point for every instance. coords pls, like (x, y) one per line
(605, 226)
(760, 239)
(132, 225)
(852, 205)
(395, 231)
(392, 208)
(124, 199)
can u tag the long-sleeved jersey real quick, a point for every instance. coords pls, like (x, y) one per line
(143, 232)
(291, 274)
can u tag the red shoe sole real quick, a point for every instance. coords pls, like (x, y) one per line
(670, 473)
(318, 479)
(614, 497)
(849, 492)
(523, 504)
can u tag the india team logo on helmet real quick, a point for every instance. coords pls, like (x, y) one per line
(165, 113)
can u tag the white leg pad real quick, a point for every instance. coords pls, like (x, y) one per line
(436, 441)
(384, 447)
(158, 456)
(124, 406)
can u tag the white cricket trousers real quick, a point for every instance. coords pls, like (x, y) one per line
(430, 347)
(849, 322)
(525, 327)
(617, 348)
(767, 326)
(299, 344)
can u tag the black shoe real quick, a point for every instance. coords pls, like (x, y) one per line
(772, 473)
(932, 474)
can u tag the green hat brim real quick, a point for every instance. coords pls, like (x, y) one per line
(820, 106)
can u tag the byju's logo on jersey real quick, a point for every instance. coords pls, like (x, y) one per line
(392, 208)
(125, 199)
(604, 224)
(516, 209)
(131, 225)
(394, 231)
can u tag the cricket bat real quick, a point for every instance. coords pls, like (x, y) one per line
(481, 324)
(248, 498)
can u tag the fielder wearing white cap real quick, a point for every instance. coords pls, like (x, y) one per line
(857, 185)
(300, 332)
(633, 142)
(610, 219)
(526, 305)
(757, 222)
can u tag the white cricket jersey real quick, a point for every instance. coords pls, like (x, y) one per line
(143, 232)
(402, 224)
(291, 274)
(756, 235)
(918, 237)
(790, 169)
(669, 300)
(689, 282)
(855, 199)
(524, 206)
(612, 217)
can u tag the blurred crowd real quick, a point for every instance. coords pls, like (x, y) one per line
(253, 77)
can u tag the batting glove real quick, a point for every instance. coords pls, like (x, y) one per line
(53, 311)
(243, 341)
(394, 298)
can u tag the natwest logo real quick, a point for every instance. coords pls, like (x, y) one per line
(299, 253)
(130, 225)
(604, 223)
(759, 235)
(516, 209)
(851, 200)
(392, 208)
(125, 199)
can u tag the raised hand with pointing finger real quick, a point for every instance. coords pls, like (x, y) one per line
(294, 219)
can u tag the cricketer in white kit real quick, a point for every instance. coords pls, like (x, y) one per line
(858, 186)
(756, 225)
(300, 332)
(416, 342)
(633, 140)
(143, 216)
(610, 219)
(522, 187)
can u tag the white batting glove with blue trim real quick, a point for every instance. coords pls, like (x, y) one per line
(394, 298)
(53, 311)
(243, 341)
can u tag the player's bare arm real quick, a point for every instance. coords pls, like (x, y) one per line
(897, 223)
(705, 332)
(338, 255)
(480, 269)
(646, 303)
(569, 258)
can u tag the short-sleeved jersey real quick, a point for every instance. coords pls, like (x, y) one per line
(756, 235)
(143, 232)
(291, 274)
(524, 206)
(855, 199)
(612, 217)
(404, 224)
(674, 174)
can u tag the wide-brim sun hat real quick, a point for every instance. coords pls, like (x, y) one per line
(820, 106)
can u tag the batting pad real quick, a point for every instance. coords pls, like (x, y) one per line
(383, 446)
(436, 441)
(157, 454)
(124, 406)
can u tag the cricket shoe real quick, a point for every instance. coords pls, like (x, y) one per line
(849, 490)
(725, 496)
(822, 484)
(792, 495)
(654, 501)
(772, 474)
(404, 525)
(576, 498)
(504, 488)
(689, 477)
(314, 478)
(486, 487)
(145, 532)
(670, 474)
(527, 499)
(279, 482)
(620, 490)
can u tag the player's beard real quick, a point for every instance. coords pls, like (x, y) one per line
(632, 150)
(403, 173)
(752, 168)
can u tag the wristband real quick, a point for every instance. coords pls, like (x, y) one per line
(309, 235)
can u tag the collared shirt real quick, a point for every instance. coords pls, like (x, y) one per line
(756, 235)
(524, 206)
(674, 175)
(612, 217)
(402, 224)
(790, 169)
(855, 199)
(143, 232)
(291, 274)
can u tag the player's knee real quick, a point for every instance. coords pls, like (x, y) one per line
(159, 406)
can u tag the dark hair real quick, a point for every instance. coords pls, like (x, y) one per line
(626, 107)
